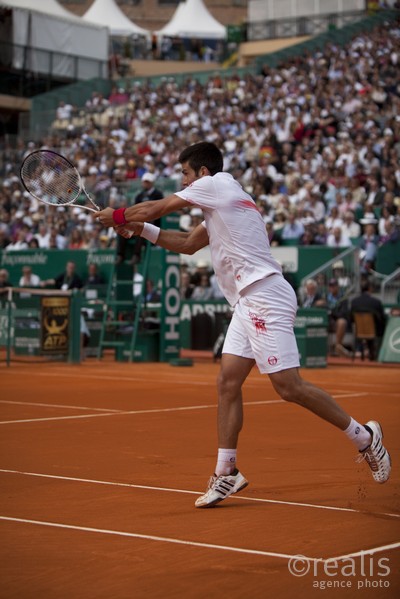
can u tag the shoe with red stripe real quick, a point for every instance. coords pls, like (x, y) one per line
(220, 487)
(376, 456)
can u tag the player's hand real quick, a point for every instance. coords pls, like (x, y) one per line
(129, 229)
(106, 217)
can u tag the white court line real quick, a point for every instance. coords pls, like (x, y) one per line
(362, 553)
(116, 377)
(134, 535)
(185, 491)
(52, 405)
(107, 412)
(133, 412)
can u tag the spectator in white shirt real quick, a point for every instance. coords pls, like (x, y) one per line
(350, 228)
(337, 239)
(29, 279)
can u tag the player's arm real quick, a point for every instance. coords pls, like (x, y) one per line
(175, 241)
(143, 212)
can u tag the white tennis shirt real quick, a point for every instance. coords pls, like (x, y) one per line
(239, 244)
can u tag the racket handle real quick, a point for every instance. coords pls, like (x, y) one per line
(125, 233)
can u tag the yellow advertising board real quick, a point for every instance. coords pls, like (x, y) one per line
(55, 324)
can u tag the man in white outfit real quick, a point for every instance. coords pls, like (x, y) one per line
(261, 329)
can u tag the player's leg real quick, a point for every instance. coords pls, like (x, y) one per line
(367, 438)
(268, 313)
(291, 387)
(236, 364)
(234, 371)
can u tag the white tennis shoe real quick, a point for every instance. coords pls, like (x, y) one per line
(376, 456)
(220, 487)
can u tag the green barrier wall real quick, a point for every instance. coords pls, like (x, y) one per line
(298, 261)
(388, 258)
(47, 264)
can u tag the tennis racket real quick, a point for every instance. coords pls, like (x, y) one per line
(54, 180)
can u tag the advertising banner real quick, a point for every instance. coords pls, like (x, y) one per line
(55, 314)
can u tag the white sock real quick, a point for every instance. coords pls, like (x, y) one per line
(358, 434)
(226, 461)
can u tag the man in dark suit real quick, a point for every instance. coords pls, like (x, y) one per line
(366, 302)
(66, 280)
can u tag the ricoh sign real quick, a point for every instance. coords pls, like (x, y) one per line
(170, 298)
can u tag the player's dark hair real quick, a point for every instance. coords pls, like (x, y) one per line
(201, 154)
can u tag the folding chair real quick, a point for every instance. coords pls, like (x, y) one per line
(365, 333)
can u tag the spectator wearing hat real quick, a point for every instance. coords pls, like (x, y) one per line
(196, 217)
(149, 191)
(203, 291)
(17, 224)
(339, 273)
(202, 268)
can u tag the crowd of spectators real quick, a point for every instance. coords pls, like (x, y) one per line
(316, 142)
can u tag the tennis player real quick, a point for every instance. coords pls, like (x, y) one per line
(261, 329)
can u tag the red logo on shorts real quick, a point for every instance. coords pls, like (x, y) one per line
(272, 360)
(258, 322)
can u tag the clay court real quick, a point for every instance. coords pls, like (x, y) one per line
(101, 464)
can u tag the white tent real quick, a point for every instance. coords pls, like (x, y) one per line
(192, 19)
(60, 43)
(108, 14)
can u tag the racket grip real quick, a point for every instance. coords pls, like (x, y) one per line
(126, 233)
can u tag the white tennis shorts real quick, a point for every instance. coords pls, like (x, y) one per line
(262, 325)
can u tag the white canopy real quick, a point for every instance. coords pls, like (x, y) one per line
(60, 43)
(192, 19)
(108, 14)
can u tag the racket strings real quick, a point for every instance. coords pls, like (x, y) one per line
(51, 177)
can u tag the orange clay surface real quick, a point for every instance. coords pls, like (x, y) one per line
(101, 463)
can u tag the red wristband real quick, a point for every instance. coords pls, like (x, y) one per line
(119, 216)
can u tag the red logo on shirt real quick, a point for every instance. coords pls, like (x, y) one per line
(272, 360)
(248, 204)
(238, 277)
